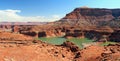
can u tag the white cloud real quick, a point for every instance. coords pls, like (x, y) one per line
(13, 16)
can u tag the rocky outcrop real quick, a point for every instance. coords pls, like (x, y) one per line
(74, 33)
(71, 46)
(92, 16)
(13, 38)
(45, 31)
(26, 48)
(115, 36)
(92, 23)
(112, 53)
(16, 29)
(99, 53)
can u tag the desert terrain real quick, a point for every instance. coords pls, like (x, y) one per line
(21, 43)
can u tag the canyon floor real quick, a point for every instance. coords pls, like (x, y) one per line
(18, 47)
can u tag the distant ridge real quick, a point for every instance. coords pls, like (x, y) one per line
(85, 16)
(23, 23)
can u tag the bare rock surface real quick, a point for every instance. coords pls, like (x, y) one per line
(36, 50)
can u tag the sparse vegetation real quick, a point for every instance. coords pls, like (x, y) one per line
(107, 43)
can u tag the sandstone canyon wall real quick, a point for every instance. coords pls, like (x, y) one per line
(89, 23)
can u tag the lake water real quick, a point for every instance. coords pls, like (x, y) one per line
(60, 40)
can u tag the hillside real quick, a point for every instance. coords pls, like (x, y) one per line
(93, 16)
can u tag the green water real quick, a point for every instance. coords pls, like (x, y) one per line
(79, 42)
(60, 40)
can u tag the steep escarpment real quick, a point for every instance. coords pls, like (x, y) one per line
(92, 23)
(17, 42)
(92, 16)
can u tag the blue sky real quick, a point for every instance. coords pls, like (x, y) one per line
(49, 8)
